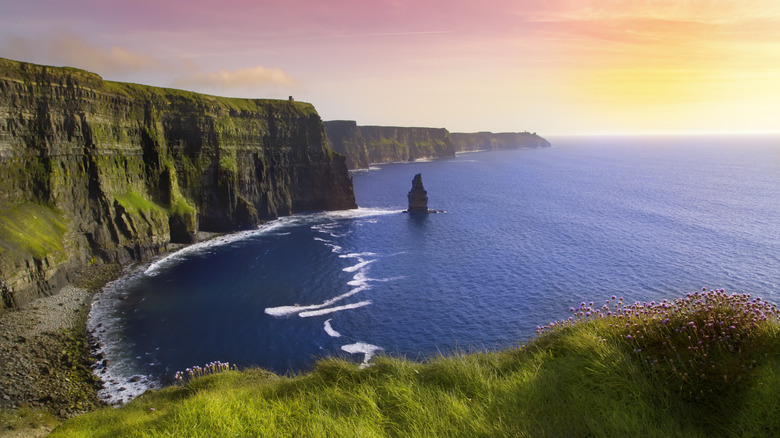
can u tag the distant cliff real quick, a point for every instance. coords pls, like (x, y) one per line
(364, 145)
(92, 170)
(488, 141)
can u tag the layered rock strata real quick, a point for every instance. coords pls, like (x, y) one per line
(366, 145)
(489, 141)
(99, 171)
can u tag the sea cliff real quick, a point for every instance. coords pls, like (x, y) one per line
(96, 171)
(489, 141)
(366, 145)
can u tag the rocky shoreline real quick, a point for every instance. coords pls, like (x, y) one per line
(45, 362)
(46, 356)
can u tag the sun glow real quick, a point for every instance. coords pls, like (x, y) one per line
(559, 66)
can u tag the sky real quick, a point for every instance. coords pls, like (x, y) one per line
(548, 66)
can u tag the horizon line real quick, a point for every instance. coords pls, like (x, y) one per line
(660, 133)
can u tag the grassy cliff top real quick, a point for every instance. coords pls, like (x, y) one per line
(23, 71)
(705, 365)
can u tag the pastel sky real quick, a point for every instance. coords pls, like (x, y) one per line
(547, 66)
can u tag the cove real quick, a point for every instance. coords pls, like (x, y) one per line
(527, 234)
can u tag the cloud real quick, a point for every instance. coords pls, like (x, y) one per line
(67, 49)
(252, 77)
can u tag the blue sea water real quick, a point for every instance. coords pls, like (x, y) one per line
(526, 234)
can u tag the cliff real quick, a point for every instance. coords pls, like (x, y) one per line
(100, 171)
(488, 141)
(364, 145)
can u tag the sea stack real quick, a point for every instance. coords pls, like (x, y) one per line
(418, 197)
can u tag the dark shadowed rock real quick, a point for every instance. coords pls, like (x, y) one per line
(418, 196)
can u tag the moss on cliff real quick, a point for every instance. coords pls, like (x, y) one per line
(364, 145)
(132, 167)
(182, 207)
(235, 106)
(137, 204)
(227, 163)
(31, 230)
(489, 141)
(49, 74)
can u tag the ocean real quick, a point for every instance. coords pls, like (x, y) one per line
(525, 235)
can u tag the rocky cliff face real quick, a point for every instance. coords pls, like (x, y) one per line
(418, 196)
(488, 141)
(92, 170)
(364, 145)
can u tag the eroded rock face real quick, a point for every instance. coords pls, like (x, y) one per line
(364, 145)
(489, 141)
(99, 171)
(418, 196)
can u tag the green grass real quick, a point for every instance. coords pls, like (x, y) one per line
(181, 207)
(25, 420)
(30, 229)
(227, 162)
(136, 204)
(136, 91)
(578, 378)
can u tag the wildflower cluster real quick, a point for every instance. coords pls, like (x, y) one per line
(196, 371)
(698, 345)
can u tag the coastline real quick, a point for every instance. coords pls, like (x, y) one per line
(47, 354)
(45, 364)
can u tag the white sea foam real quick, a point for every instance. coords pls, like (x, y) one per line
(292, 310)
(329, 310)
(333, 247)
(361, 212)
(358, 279)
(328, 230)
(367, 350)
(360, 282)
(204, 247)
(369, 168)
(360, 265)
(122, 379)
(329, 329)
(355, 255)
